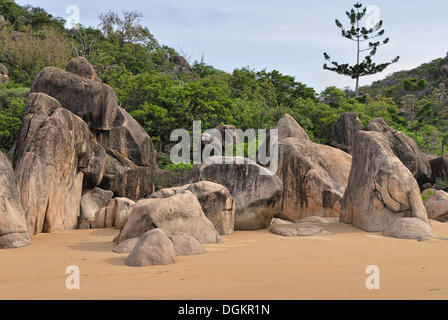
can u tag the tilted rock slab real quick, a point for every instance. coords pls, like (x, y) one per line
(380, 188)
(409, 228)
(254, 188)
(179, 213)
(13, 228)
(314, 179)
(53, 145)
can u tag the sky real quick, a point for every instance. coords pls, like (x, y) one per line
(286, 35)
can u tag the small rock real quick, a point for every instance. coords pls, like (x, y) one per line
(153, 248)
(125, 246)
(409, 228)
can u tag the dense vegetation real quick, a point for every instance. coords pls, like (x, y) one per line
(164, 91)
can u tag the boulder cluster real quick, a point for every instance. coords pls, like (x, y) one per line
(81, 161)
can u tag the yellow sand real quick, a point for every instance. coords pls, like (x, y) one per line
(248, 265)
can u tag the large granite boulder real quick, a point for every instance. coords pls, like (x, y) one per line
(344, 130)
(95, 102)
(216, 202)
(13, 229)
(178, 213)
(82, 67)
(254, 188)
(405, 149)
(314, 179)
(91, 202)
(380, 188)
(436, 204)
(128, 138)
(153, 248)
(53, 145)
(439, 168)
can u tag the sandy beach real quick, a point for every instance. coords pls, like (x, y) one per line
(247, 265)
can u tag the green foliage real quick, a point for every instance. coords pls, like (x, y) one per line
(178, 166)
(11, 122)
(441, 185)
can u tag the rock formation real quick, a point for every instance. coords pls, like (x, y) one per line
(13, 228)
(314, 179)
(436, 204)
(298, 230)
(178, 213)
(380, 188)
(439, 168)
(216, 202)
(254, 188)
(93, 101)
(53, 146)
(344, 131)
(409, 228)
(91, 202)
(405, 149)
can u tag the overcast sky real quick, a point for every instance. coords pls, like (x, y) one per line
(286, 35)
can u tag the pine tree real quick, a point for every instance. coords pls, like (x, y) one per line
(360, 35)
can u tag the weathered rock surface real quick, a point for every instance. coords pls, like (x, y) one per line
(125, 246)
(13, 228)
(128, 138)
(125, 179)
(81, 67)
(409, 228)
(95, 102)
(344, 131)
(380, 189)
(94, 172)
(254, 188)
(436, 204)
(287, 127)
(405, 149)
(153, 248)
(439, 168)
(178, 213)
(91, 202)
(53, 145)
(314, 179)
(216, 202)
(297, 230)
(185, 245)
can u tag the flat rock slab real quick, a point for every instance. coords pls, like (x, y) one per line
(409, 228)
(280, 221)
(298, 230)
